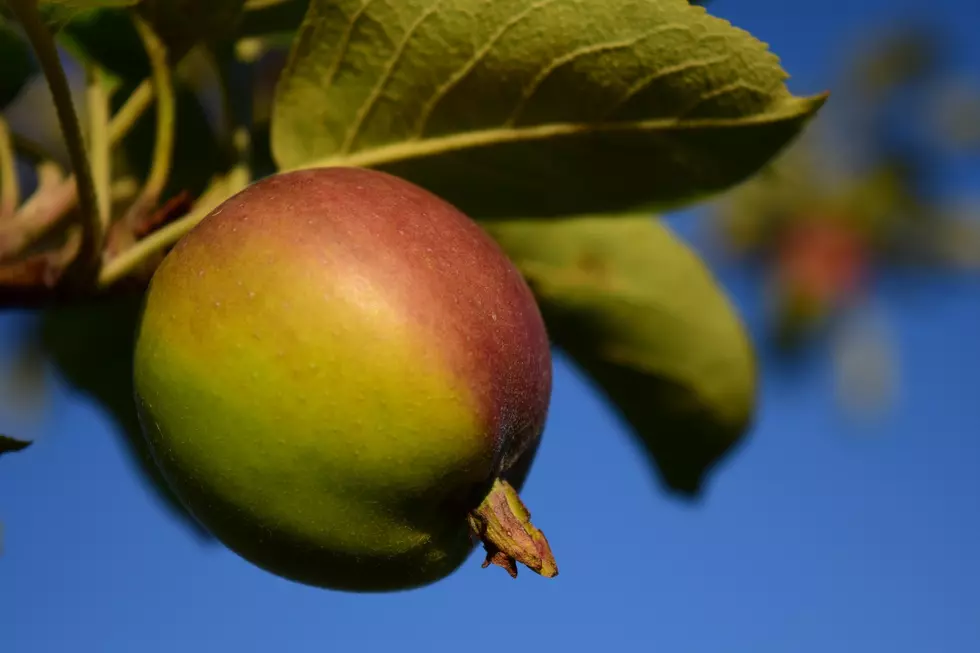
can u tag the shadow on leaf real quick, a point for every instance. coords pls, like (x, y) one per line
(641, 315)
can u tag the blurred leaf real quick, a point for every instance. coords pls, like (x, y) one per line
(58, 13)
(69, 5)
(272, 17)
(640, 313)
(898, 57)
(504, 109)
(109, 39)
(183, 23)
(10, 445)
(18, 62)
(92, 347)
(865, 365)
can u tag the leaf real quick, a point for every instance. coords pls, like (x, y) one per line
(109, 39)
(642, 316)
(58, 13)
(272, 17)
(92, 347)
(88, 4)
(535, 108)
(183, 23)
(10, 445)
(18, 62)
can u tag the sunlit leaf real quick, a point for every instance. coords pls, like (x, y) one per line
(535, 108)
(641, 314)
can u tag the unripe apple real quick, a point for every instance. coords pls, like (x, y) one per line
(345, 379)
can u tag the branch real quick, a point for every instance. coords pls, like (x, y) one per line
(86, 265)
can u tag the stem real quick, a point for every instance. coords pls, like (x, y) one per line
(9, 184)
(166, 110)
(129, 260)
(39, 214)
(90, 252)
(97, 103)
(43, 212)
(137, 103)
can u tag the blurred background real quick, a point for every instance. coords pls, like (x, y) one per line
(848, 520)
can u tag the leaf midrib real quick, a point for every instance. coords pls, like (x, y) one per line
(420, 147)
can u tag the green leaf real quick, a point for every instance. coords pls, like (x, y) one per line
(184, 23)
(535, 108)
(88, 4)
(642, 316)
(10, 445)
(109, 39)
(58, 13)
(91, 345)
(18, 62)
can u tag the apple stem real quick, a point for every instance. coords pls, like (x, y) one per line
(503, 524)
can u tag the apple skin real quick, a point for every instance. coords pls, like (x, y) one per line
(332, 368)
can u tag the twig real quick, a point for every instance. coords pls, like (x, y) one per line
(131, 259)
(136, 104)
(143, 207)
(31, 149)
(9, 184)
(34, 280)
(163, 88)
(36, 218)
(86, 265)
(97, 105)
(53, 199)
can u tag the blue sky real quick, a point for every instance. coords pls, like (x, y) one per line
(817, 535)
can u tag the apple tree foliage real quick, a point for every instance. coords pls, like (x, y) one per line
(562, 126)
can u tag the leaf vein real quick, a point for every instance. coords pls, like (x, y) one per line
(797, 109)
(470, 64)
(344, 44)
(547, 71)
(718, 92)
(372, 98)
(645, 82)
